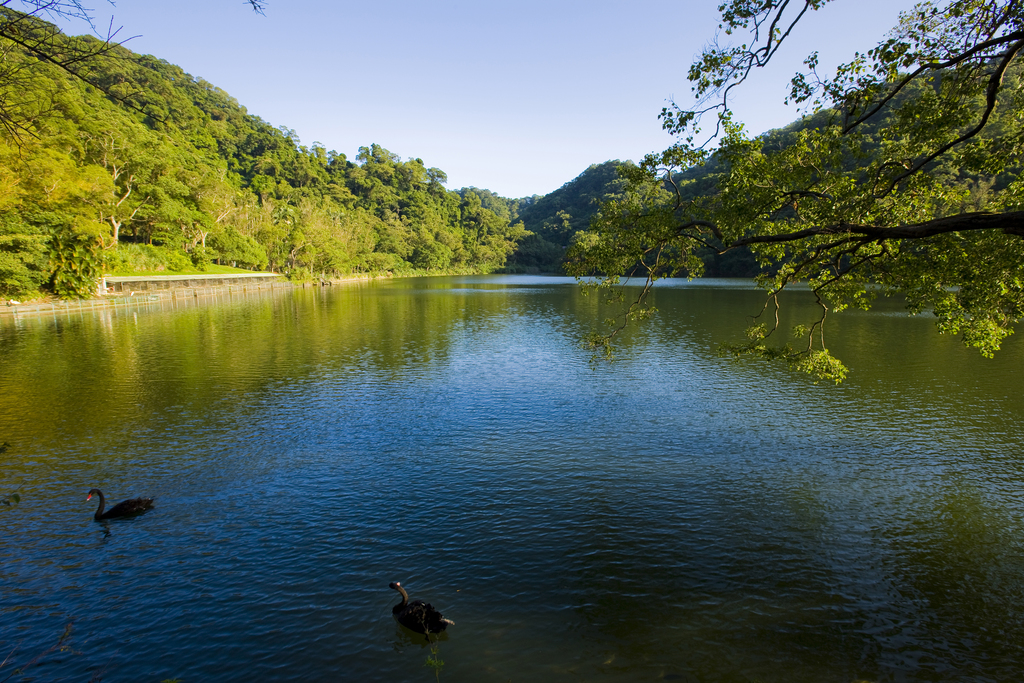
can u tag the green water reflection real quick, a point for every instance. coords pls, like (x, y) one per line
(671, 516)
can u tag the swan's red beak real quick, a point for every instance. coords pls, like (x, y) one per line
(89, 497)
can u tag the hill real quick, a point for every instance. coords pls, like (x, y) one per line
(143, 167)
(554, 218)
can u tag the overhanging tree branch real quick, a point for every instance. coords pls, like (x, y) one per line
(991, 92)
(1010, 222)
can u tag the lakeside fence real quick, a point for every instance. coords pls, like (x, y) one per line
(151, 298)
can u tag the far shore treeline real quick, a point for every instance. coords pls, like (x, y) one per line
(134, 166)
(141, 167)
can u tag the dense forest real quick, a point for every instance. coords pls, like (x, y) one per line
(609, 194)
(552, 220)
(138, 166)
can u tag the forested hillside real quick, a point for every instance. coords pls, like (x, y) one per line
(633, 208)
(152, 169)
(553, 219)
(138, 166)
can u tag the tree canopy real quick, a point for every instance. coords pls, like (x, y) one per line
(24, 32)
(186, 175)
(903, 177)
(554, 218)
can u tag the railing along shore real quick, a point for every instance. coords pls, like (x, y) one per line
(152, 296)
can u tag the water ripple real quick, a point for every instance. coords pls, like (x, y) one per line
(672, 514)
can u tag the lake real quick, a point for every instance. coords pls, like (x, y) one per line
(672, 515)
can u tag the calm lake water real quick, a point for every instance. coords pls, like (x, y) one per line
(671, 516)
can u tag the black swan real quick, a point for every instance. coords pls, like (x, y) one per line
(417, 615)
(125, 508)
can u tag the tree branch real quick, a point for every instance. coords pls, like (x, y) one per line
(951, 62)
(1012, 223)
(991, 91)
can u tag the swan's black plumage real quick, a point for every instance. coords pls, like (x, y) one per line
(125, 508)
(417, 615)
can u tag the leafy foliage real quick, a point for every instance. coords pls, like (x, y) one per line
(23, 256)
(185, 170)
(903, 174)
(553, 219)
(76, 264)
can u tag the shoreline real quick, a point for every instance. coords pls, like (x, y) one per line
(195, 288)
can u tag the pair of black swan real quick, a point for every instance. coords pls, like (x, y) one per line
(126, 508)
(417, 615)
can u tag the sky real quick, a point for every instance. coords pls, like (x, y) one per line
(515, 96)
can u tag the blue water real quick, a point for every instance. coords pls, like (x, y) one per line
(671, 516)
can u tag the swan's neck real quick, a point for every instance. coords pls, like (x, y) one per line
(405, 597)
(103, 502)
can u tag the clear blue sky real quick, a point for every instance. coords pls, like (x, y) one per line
(517, 97)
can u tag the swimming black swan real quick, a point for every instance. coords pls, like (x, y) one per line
(417, 615)
(125, 508)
